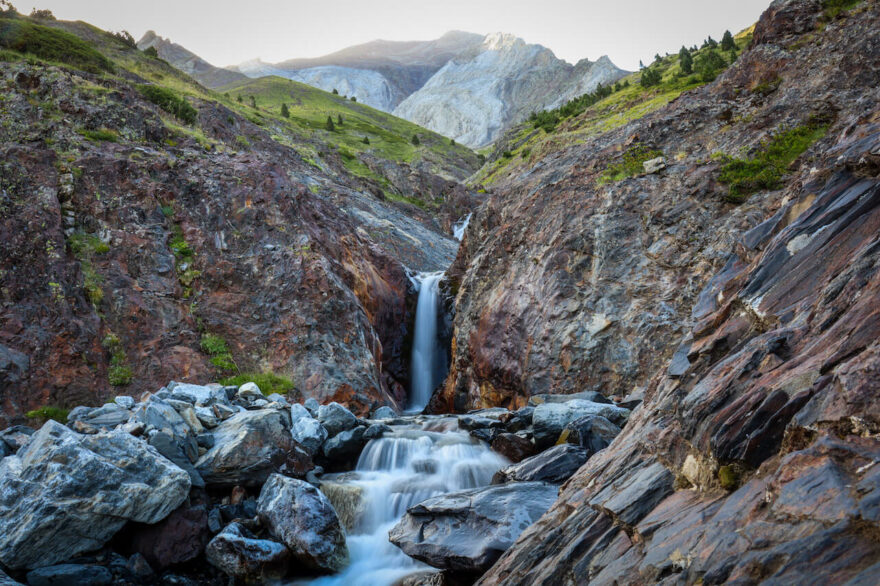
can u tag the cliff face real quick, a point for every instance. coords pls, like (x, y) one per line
(129, 236)
(480, 93)
(750, 331)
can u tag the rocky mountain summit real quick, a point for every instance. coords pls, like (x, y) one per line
(188, 62)
(482, 92)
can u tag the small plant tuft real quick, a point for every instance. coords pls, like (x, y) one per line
(170, 102)
(630, 165)
(268, 382)
(44, 414)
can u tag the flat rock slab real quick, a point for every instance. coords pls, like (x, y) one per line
(555, 465)
(468, 531)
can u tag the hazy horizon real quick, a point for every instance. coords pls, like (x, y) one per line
(274, 31)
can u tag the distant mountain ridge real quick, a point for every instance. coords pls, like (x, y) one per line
(465, 86)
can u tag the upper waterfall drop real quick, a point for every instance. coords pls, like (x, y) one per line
(428, 366)
(459, 227)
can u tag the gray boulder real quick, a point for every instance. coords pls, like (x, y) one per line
(549, 419)
(249, 392)
(4, 450)
(238, 553)
(555, 465)
(165, 445)
(298, 412)
(593, 396)
(66, 493)
(70, 575)
(199, 395)
(17, 436)
(376, 431)
(7, 581)
(300, 516)
(592, 432)
(309, 433)
(384, 412)
(345, 446)
(160, 415)
(207, 417)
(335, 418)
(468, 531)
(312, 405)
(124, 401)
(107, 416)
(247, 448)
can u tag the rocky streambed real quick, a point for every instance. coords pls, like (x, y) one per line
(200, 484)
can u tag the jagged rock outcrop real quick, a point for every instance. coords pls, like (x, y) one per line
(752, 339)
(483, 91)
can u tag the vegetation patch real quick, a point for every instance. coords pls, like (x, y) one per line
(84, 247)
(630, 165)
(44, 414)
(120, 373)
(170, 102)
(832, 8)
(217, 348)
(269, 382)
(51, 44)
(764, 169)
(100, 135)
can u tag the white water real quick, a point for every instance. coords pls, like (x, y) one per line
(459, 227)
(403, 468)
(428, 367)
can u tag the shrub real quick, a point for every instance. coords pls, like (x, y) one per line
(335, 92)
(42, 14)
(366, 140)
(151, 52)
(51, 44)
(119, 373)
(268, 382)
(709, 64)
(329, 125)
(415, 140)
(764, 170)
(285, 111)
(353, 99)
(125, 38)
(686, 61)
(48, 412)
(630, 164)
(727, 42)
(170, 102)
(84, 245)
(834, 7)
(217, 348)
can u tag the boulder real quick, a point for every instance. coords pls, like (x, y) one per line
(5, 450)
(125, 402)
(384, 412)
(335, 418)
(518, 420)
(70, 575)
(297, 412)
(223, 412)
(549, 419)
(249, 392)
(300, 516)
(248, 447)
(345, 446)
(160, 415)
(65, 493)
(309, 433)
(165, 445)
(107, 416)
(202, 396)
(472, 422)
(7, 581)
(485, 434)
(17, 436)
(312, 405)
(555, 465)
(238, 553)
(376, 431)
(513, 447)
(179, 538)
(468, 531)
(592, 432)
(138, 567)
(207, 417)
(594, 396)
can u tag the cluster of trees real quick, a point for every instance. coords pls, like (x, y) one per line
(706, 62)
(330, 125)
(125, 38)
(548, 119)
(336, 93)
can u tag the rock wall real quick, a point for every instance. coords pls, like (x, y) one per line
(750, 332)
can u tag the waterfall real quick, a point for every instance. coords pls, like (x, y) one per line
(459, 227)
(416, 461)
(428, 367)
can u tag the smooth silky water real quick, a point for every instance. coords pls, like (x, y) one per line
(425, 458)
(422, 457)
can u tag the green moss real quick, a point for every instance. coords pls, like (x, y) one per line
(170, 102)
(268, 382)
(242, 141)
(217, 348)
(82, 244)
(100, 135)
(832, 8)
(728, 477)
(168, 211)
(764, 169)
(85, 247)
(48, 412)
(630, 165)
(51, 44)
(120, 373)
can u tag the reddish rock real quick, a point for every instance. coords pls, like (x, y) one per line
(181, 537)
(513, 447)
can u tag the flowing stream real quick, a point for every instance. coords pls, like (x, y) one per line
(423, 457)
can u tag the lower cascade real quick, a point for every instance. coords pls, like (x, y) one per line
(428, 359)
(420, 458)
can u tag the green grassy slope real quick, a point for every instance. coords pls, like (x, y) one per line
(527, 143)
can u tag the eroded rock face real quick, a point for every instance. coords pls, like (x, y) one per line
(66, 493)
(748, 460)
(248, 447)
(555, 466)
(301, 517)
(467, 531)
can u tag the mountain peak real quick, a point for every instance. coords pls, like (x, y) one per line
(500, 41)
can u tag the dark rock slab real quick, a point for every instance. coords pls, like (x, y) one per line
(70, 575)
(555, 466)
(239, 553)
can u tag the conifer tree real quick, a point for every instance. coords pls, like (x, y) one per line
(366, 140)
(686, 61)
(727, 42)
(415, 140)
(253, 102)
(339, 120)
(335, 92)
(330, 126)
(285, 111)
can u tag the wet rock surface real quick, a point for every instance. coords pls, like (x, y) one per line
(238, 553)
(467, 531)
(555, 466)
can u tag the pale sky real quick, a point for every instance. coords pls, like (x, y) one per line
(227, 32)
